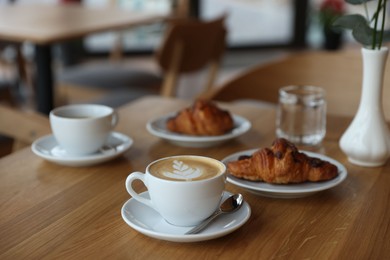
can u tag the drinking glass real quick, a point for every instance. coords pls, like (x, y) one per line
(301, 114)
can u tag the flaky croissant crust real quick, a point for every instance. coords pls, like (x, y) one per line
(203, 118)
(282, 164)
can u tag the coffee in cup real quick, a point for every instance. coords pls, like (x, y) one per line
(84, 128)
(184, 189)
(185, 169)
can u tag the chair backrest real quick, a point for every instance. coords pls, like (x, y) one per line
(179, 8)
(190, 45)
(23, 127)
(339, 73)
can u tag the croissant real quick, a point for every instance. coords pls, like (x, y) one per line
(203, 118)
(282, 164)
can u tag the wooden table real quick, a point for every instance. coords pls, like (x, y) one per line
(51, 211)
(339, 73)
(45, 25)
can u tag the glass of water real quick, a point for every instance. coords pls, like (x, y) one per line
(301, 115)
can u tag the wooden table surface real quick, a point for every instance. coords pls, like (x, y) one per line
(53, 212)
(45, 24)
(49, 23)
(339, 73)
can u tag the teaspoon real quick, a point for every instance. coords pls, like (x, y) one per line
(230, 205)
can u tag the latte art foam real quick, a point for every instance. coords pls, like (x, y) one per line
(185, 169)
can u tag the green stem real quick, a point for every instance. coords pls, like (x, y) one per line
(374, 43)
(383, 24)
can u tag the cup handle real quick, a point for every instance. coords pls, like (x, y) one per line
(114, 119)
(137, 176)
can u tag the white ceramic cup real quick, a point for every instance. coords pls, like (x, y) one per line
(179, 188)
(82, 129)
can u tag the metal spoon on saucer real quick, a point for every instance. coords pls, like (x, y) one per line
(231, 204)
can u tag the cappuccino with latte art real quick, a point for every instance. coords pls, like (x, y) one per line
(184, 189)
(186, 168)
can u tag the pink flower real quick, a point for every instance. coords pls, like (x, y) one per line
(329, 11)
(333, 6)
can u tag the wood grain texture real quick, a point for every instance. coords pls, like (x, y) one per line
(46, 24)
(49, 211)
(339, 73)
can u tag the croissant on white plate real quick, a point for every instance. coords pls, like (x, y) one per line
(282, 164)
(203, 118)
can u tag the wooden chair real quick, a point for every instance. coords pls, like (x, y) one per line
(189, 45)
(180, 8)
(339, 73)
(22, 126)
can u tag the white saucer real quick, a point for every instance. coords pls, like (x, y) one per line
(148, 222)
(47, 148)
(157, 127)
(286, 190)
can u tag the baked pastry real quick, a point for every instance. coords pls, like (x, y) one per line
(202, 118)
(282, 163)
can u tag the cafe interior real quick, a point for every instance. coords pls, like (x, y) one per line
(152, 62)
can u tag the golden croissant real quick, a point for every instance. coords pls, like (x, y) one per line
(282, 164)
(203, 118)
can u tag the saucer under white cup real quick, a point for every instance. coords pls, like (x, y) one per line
(82, 129)
(149, 222)
(47, 148)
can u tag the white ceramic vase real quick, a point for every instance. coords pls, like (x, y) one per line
(366, 141)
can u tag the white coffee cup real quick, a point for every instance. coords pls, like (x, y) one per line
(84, 128)
(183, 189)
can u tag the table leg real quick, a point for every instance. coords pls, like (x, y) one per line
(44, 79)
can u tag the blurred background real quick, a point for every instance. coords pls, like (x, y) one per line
(252, 24)
(259, 31)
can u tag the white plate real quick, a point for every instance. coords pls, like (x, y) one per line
(148, 222)
(286, 190)
(157, 127)
(47, 148)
